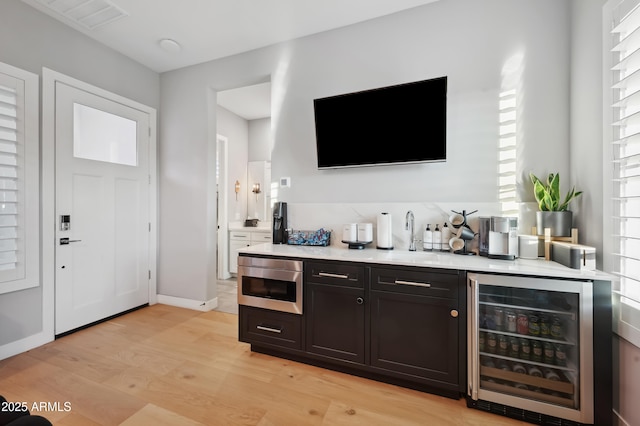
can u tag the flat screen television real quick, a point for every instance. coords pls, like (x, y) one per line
(404, 123)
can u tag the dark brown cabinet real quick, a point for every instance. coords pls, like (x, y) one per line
(267, 327)
(335, 310)
(416, 324)
(403, 325)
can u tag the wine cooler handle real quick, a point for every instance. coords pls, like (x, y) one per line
(474, 354)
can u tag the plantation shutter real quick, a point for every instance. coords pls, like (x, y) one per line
(9, 177)
(624, 167)
(19, 226)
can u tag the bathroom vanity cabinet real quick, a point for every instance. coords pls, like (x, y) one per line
(241, 238)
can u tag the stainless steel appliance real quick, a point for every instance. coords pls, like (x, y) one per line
(268, 283)
(530, 348)
(280, 223)
(498, 237)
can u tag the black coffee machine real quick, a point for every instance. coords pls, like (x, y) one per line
(280, 223)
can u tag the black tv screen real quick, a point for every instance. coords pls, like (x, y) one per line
(405, 123)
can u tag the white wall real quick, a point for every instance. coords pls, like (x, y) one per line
(236, 130)
(473, 49)
(483, 47)
(260, 139)
(185, 191)
(586, 120)
(31, 40)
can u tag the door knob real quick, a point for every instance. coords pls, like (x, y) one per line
(454, 313)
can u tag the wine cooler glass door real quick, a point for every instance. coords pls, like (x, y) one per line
(531, 344)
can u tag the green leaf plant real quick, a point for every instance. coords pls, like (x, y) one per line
(548, 194)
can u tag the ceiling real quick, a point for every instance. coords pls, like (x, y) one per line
(250, 102)
(208, 29)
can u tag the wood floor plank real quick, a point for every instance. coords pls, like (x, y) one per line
(173, 366)
(70, 357)
(158, 416)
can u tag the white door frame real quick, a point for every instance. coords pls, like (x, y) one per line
(48, 217)
(223, 207)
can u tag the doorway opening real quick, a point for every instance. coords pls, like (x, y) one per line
(244, 135)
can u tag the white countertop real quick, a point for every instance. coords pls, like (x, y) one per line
(445, 260)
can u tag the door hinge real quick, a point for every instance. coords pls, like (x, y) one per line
(149, 273)
(149, 226)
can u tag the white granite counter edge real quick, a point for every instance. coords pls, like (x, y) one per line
(445, 260)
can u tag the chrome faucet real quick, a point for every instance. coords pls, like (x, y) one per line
(410, 226)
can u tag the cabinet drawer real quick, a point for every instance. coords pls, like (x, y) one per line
(240, 235)
(335, 273)
(273, 327)
(260, 237)
(426, 282)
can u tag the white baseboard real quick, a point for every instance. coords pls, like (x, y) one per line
(196, 305)
(24, 345)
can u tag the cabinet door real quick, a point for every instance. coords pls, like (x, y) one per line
(234, 246)
(335, 311)
(416, 335)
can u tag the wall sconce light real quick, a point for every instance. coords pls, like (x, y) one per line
(256, 190)
(237, 187)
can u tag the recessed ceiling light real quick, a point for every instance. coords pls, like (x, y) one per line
(170, 46)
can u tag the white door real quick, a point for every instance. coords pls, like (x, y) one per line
(102, 196)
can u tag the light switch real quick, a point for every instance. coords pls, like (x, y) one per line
(285, 182)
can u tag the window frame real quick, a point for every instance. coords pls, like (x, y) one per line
(626, 310)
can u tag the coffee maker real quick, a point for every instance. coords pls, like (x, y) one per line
(498, 237)
(280, 223)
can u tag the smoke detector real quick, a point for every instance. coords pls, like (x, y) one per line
(90, 14)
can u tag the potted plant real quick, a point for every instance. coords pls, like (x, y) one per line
(553, 210)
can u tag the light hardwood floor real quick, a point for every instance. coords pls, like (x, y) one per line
(163, 365)
(227, 295)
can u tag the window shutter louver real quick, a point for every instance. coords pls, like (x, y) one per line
(19, 186)
(9, 176)
(625, 149)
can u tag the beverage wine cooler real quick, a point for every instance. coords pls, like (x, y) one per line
(531, 348)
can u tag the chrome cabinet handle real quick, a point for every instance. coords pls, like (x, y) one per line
(359, 300)
(400, 282)
(328, 275)
(269, 329)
